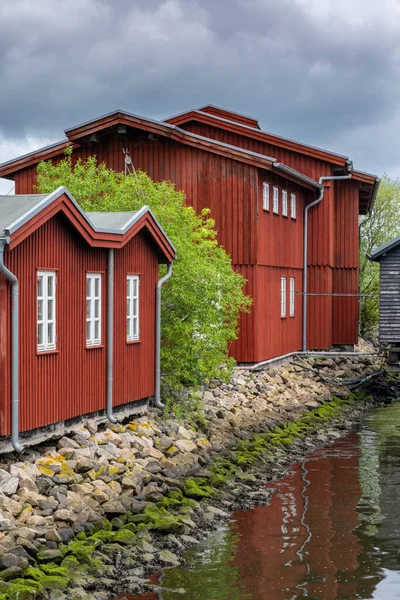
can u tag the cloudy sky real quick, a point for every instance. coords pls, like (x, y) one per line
(326, 72)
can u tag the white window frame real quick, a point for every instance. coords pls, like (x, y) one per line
(45, 300)
(293, 207)
(93, 309)
(284, 203)
(291, 297)
(283, 297)
(275, 206)
(266, 196)
(132, 315)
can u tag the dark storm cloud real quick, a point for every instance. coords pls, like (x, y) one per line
(322, 71)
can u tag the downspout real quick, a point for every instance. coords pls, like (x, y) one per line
(160, 283)
(305, 257)
(110, 334)
(14, 349)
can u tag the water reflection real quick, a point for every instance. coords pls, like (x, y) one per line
(330, 532)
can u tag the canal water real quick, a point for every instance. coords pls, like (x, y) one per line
(330, 532)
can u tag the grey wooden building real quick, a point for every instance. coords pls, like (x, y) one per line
(388, 256)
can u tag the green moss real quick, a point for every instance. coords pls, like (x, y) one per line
(162, 520)
(82, 550)
(130, 527)
(34, 573)
(141, 518)
(104, 536)
(23, 590)
(70, 563)
(54, 582)
(124, 536)
(193, 490)
(81, 536)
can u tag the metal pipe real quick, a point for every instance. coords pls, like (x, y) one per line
(160, 283)
(16, 444)
(110, 334)
(305, 249)
(287, 358)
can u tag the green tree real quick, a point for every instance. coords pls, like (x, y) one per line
(381, 225)
(203, 299)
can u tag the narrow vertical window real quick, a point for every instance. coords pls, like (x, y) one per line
(275, 207)
(283, 296)
(46, 310)
(291, 297)
(93, 309)
(284, 203)
(293, 206)
(266, 196)
(132, 307)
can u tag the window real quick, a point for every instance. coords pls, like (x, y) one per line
(93, 309)
(284, 203)
(283, 296)
(291, 297)
(293, 206)
(265, 196)
(132, 307)
(276, 200)
(46, 310)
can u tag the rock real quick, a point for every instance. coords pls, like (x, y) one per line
(185, 445)
(13, 560)
(185, 434)
(10, 573)
(84, 465)
(8, 484)
(49, 555)
(66, 442)
(169, 558)
(10, 505)
(65, 515)
(91, 426)
(113, 507)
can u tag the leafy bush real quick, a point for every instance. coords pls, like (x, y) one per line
(204, 297)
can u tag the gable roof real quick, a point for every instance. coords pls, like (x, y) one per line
(109, 121)
(20, 215)
(221, 118)
(227, 120)
(381, 251)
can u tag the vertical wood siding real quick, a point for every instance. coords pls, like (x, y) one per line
(244, 348)
(232, 190)
(134, 361)
(72, 381)
(389, 298)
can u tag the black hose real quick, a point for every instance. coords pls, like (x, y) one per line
(352, 384)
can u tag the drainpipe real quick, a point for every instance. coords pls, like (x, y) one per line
(110, 334)
(317, 201)
(160, 283)
(14, 349)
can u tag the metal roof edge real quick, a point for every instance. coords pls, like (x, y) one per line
(49, 147)
(386, 247)
(285, 169)
(274, 135)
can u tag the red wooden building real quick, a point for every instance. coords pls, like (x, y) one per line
(257, 186)
(83, 336)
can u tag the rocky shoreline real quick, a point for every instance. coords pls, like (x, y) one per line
(93, 514)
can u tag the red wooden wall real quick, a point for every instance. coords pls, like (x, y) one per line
(71, 381)
(232, 191)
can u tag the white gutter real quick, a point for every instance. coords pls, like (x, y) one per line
(305, 255)
(14, 349)
(160, 283)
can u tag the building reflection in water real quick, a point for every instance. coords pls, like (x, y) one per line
(330, 532)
